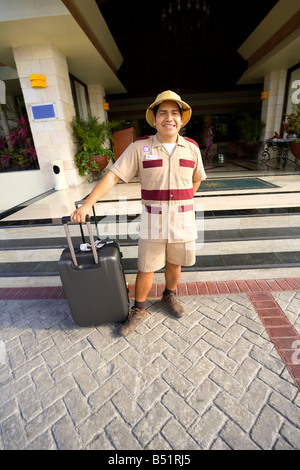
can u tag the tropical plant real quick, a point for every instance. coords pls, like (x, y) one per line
(249, 125)
(94, 138)
(22, 154)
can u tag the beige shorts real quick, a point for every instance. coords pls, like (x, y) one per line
(152, 256)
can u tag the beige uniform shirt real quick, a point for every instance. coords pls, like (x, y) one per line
(166, 186)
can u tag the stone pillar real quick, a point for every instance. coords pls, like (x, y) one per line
(96, 97)
(272, 107)
(52, 138)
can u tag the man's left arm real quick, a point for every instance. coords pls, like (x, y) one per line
(196, 185)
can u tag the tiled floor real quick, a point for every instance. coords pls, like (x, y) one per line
(125, 198)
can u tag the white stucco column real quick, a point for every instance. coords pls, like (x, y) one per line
(272, 107)
(52, 137)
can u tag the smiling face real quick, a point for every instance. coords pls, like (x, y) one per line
(168, 121)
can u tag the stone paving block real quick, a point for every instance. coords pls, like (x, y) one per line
(104, 393)
(45, 441)
(65, 435)
(236, 438)
(289, 409)
(57, 392)
(52, 358)
(13, 433)
(291, 434)
(204, 395)
(158, 442)
(29, 403)
(93, 426)
(121, 436)
(77, 406)
(241, 346)
(151, 424)
(205, 430)
(45, 420)
(266, 428)
(247, 371)
(153, 393)
(221, 359)
(154, 370)
(272, 363)
(235, 411)
(277, 383)
(200, 371)
(179, 408)
(177, 437)
(227, 382)
(102, 442)
(216, 341)
(85, 380)
(197, 350)
(129, 409)
(177, 360)
(177, 381)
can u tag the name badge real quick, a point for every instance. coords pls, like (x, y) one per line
(151, 157)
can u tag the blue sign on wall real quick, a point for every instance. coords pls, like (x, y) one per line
(43, 111)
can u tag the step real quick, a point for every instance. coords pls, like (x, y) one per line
(216, 242)
(244, 243)
(122, 224)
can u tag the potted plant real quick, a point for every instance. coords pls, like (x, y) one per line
(94, 139)
(291, 126)
(250, 128)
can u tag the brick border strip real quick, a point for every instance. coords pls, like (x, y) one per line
(183, 289)
(281, 332)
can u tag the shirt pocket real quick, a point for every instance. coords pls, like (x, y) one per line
(186, 168)
(151, 173)
(151, 164)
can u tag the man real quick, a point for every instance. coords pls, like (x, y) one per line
(170, 169)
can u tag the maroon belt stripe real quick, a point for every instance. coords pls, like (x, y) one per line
(158, 210)
(167, 194)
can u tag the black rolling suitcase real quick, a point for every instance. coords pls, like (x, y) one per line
(93, 281)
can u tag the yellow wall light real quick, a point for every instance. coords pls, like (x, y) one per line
(38, 81)
(106, 106)
(264, 95)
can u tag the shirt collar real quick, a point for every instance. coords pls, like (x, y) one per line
(158, 143)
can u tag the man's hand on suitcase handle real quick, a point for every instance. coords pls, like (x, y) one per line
(67, 219)
(79, 215)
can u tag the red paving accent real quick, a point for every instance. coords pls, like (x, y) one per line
(283, 335)
(183, 289)
(281, 332)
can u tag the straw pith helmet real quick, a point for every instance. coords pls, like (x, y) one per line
(169, 96)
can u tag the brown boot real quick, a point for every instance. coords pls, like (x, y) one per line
(173, 307)
(135, 316)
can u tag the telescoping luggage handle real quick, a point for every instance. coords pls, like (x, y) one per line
(65, 221)
(77, 203)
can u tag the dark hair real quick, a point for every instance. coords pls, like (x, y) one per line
(155, 109)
